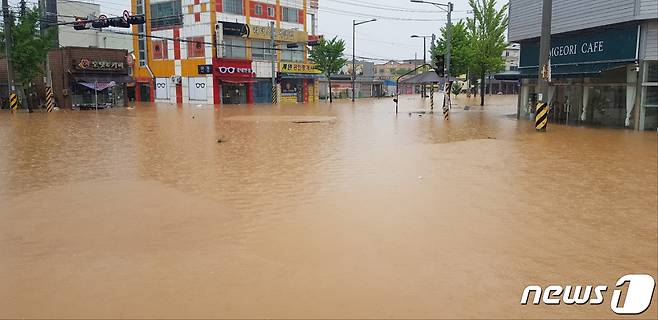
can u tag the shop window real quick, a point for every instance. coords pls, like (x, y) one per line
(652, 71)
(290, 14)
(233, 6)
(295, 55)
(650, 84)
(160, 50)
(260, 50)
(166, 14)
(196, 47)
(235, 48)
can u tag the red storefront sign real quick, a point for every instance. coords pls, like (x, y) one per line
(232, 70)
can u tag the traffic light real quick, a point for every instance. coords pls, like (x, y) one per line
(118, 22)
(101, 22)
(440, 65)
(80, 24)
(137, 19)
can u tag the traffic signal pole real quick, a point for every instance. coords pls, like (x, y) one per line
(541, 114)
(8, 45)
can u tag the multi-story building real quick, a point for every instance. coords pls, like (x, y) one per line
(218, 51)
(511, 54)
(604, 60)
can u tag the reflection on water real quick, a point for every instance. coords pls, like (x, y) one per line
(315, 211)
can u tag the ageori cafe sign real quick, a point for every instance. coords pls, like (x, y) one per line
(612, 44)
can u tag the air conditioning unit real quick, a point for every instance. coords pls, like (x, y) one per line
(176, 79)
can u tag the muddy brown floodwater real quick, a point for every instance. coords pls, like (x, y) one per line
(316, 211)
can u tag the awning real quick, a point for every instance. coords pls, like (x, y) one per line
(574, 70)
(92, 78)
(237, 81)
(508, 75)
(425, 77)
(99, 86)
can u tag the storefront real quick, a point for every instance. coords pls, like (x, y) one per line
(89, 77)
(298, 82)
(233, 81)
(594, 77)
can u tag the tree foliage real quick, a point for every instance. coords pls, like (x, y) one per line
(486, 32)
(460, 52)
(29, 48)
(328, 57)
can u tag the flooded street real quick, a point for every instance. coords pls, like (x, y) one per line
(316, 211)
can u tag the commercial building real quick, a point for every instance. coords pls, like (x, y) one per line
(86, 77)
(218, 51)
(390, 71)
(365, 86)
(604, 61)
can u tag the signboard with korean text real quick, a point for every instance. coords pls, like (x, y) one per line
(295, 67)
(99, 65)
(285, 35)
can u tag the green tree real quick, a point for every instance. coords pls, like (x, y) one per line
(29, 46)
(460, 52)
(487, 38)
(328, 58)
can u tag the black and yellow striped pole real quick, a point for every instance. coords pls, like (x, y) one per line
(446, 101)
(50, 100)
(274, 94)
(432, 97)
(13, 101)
(541, 117)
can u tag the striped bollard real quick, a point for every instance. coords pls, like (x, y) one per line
(432, 97)
(50, 100)
(13, 101)
(274, 94)
(541, 117)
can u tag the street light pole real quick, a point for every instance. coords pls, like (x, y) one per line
(422, 91)
(354, 24)
(447, 8)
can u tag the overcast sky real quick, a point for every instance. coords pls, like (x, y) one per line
(387, 38)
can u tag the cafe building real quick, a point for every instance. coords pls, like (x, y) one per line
(603, 69)
(89, 77)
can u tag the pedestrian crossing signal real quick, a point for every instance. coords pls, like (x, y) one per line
(439, 59)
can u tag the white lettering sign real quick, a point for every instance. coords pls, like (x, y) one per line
(574, 49)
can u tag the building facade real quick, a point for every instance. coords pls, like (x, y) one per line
(604, 61)
(219, 52)
(86, 77)
(365, 86)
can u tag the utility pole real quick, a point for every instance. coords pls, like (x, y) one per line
(544, 50)
(273, 55)
(8, 45)
(449, 44)
(353, 57)
(354, 24)
(448, 8)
